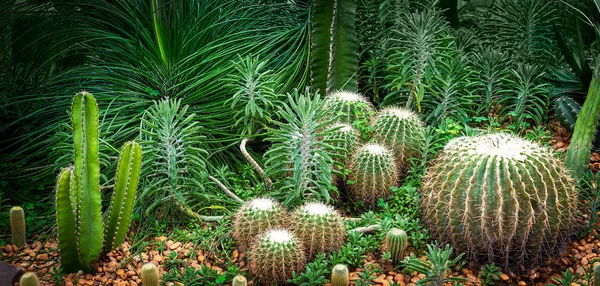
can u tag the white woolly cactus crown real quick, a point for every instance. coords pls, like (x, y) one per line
(256, 216)
(319, 227)
(276, 255)
(262, 204)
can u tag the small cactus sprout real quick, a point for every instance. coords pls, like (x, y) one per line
(275, 255)
(403, 131)
(319, 227)
(150, 275)
(396, 241)
(340, 275)
(597, 275)
(255, 217)
(239, 281)
(349, 107)
(17, 226)
(29, 279)
(372, 171)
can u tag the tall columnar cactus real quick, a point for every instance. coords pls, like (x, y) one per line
(17, 226)
(566, 110)
(239, 281)
(396, 241)
(373, 171)
(345, 139)
(29, 279)
(501, 199)
(150, 275)
(275, 255)
(340, 275)
(319, 227)
(255, 217)
(349, 107)
(81, 231)
(401, 130)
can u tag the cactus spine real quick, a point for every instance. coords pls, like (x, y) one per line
(396, 241)
(319, 227)
(373, 171)
(81, 230)
(275, 255)
(29, 279)
(348, 107)
(239, 281)
(500, 198)
(340, 275)
(567, 110)
(255, 217)
(17, 226)
(150, 275)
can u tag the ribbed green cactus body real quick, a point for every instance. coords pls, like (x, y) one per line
(17, 226)
(275, 255)
(401, 130)
(239, 281)
(340, 275)
(255, 217)
(566, 110)
(345, 139)
(29, 279)
(597, 275)
(319, 227)
(500, 198)
(348, 107)
(373, 171)
(150, 275)
(396, 241)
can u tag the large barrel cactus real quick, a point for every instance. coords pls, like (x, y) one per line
(319, 227)
(372, 172)
(275, 256)
(255, 217)
(501, 199)
(348, 107)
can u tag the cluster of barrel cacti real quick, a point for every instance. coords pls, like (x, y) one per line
(255, 217)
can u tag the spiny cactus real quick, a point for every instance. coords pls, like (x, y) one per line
(81, 230)
(255, 217)
(501, 199)
(402, 131)
(29, 279)
(345, 139)
(275, 255)
(566, 110)
(239, 281)
(597, 275)
(340, 275)
(150, 275)
(319, 227)
(373, 171)
(396, 241)
(17, 226)
(348, 107)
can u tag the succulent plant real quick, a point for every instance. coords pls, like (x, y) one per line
(348, 107)
(29, 279)
(373, 171)
(401, 130)
(275, 255)
(239, 281)
(345, 139)
(255, 217)
(340, 275)
(17, 226)
(566, 110)
(597, 275)
(319, 227)
(150, 275)
(501, 199)
(396, 241)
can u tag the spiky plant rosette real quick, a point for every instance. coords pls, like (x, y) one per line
(275, 255)
(373, 171)
(349, 107)
(255, 217)
(501, 199)
(319, 227)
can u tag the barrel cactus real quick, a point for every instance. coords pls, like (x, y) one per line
(319, 227)
(348, 107)
(275, 255)
(597, 275)
(239, 281)
(17, 226)
(403, 131)
(372, 172)
(340, 275)
(501, 199)
(150, 275)
(345, 139)
(255, 217)
(29, 279)
(396, 241)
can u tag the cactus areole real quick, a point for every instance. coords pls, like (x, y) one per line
(500, 199)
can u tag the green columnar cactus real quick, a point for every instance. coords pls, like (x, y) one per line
(150, 275)
(17, 226)
(81, 230)
(29, 279)
(319, 227)
(501, 199)
(396, 241)
(597, 275)
(340, 275)
(344, 139)
(402, 131)
(349, 107)
(373, 171)
(566, 110)
(239, 281)
(255, 217)
(275, 255)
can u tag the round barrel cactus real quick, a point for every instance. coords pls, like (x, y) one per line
(396, 241)
(239, 280)
(319, 227)
(256, 216)
(345, 139)
(340, 275)
(349, 107)
(501, 199)
(275, 255)
(150, 275)
(372, 172)
(29, 279)
(403, 131)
